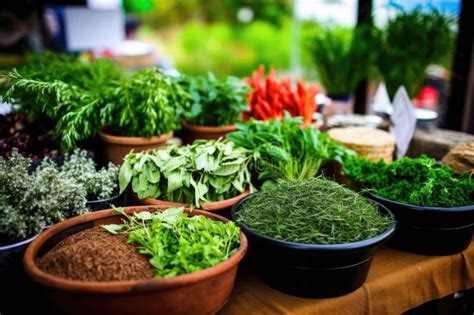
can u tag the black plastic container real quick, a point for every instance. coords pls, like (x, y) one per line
(14, 282)
(315, 271)
(429, 230)
(101, 204)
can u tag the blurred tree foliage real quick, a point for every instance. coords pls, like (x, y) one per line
(173, 12)
(229, 49)
(409, 43)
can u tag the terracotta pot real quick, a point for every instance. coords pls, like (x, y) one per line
(208, 206)
(201, 292)
(195, 132)
(116, 147)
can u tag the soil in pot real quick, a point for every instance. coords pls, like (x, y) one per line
(116, 147)
(194, 132)
(313, 238)
(96, 255)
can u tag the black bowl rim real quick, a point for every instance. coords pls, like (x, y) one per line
(20, 243)
(418, 208)
(91, 202)
(370, 242)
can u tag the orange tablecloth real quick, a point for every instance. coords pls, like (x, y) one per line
(397, 282)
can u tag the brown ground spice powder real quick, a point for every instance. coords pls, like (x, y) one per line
(96, 255)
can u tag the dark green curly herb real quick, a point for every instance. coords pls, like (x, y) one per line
(417, 181)
(315, 211)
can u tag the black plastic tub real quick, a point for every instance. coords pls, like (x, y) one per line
(94, 205)
(314, 271)
(14, 281)
(429, 230)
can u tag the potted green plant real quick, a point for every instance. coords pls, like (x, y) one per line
(284, 150)
(343, 58)
(217, 104)
(210, 175)
(101, 185)
(28, 203)
(118, 261)
(35, 198)
(434, 206)
(409, 43)
(313, 238)
(137, 111)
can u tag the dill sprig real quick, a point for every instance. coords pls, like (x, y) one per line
(314, 211)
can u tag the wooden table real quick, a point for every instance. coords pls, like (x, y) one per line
(397, 282)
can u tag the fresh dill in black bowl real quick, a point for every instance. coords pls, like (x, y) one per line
(313, 238)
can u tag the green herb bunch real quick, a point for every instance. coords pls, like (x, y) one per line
(417, 181)
(342, 57)
(29, 202)
(145, 104)
(314, 211)
(80, 168)
(177, 243)
(409, 43)
(42, 74)
(205, 171)
(284, 150)
(215, 102)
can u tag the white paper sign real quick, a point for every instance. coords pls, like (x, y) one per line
(403, 121)
(381, 102)
(93, 29)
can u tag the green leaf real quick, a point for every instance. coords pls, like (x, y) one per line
(175, 181)
(114, 228)
(226, 170)
(143, 215)
(125, 175)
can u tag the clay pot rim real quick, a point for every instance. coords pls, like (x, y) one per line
(120, 140)
(122, 286)
(208, 129)
(208, 206)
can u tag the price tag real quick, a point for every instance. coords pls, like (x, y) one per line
(403, 121)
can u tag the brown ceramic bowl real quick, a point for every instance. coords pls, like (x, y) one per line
(208, 206)
(201, 292)
(116, 147)
(195, 132)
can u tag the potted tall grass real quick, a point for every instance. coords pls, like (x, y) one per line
(343, 58)
(411, 42)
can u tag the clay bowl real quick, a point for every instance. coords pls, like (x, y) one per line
(194, 132)
(201, 292)
(220, 207)
(116, 147)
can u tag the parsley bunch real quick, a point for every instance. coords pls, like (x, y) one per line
(417, 181)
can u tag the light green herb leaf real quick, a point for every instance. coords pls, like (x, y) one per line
(114, 228)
